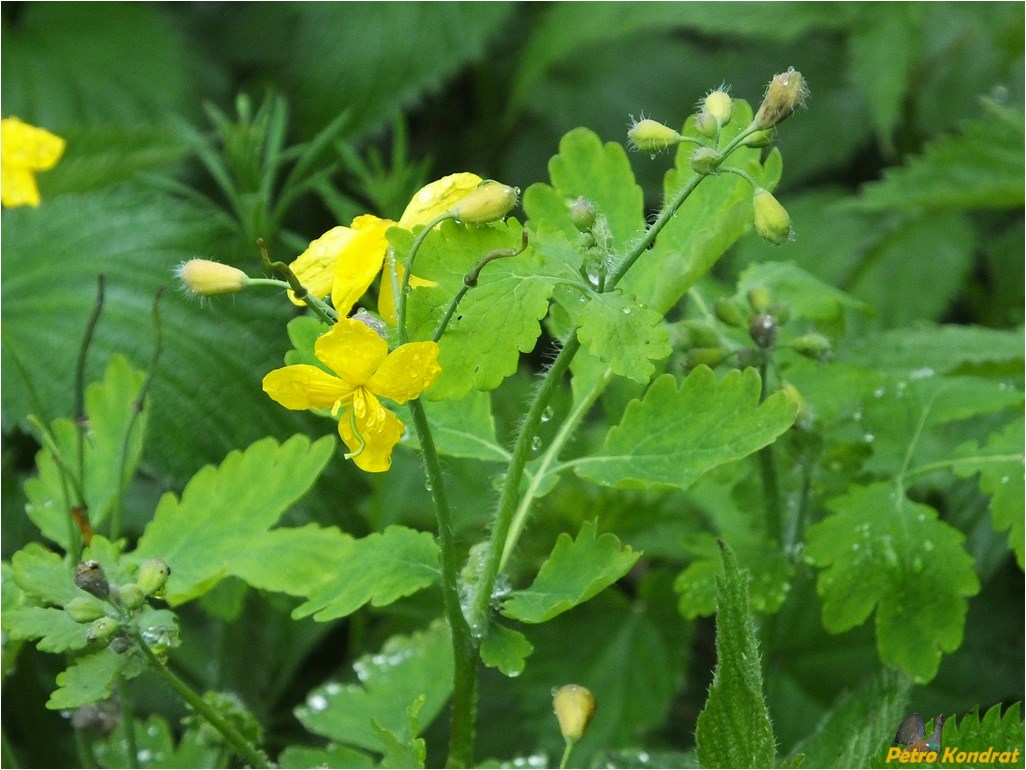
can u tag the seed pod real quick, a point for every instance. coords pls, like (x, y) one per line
(90, 577)
(574, 706)
(153, 574)
(489, 202)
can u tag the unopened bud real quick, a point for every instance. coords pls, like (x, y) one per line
(706, 356)
(719, 104)
(90, 577)
(82, 609)
(763, 330)
(705, 160)
(811, 345)
(651, 136)
(101, 631)
(207, 278)
(728, 312)
(706, 124)
(488, 202)
(785, 93)
(574, 706)
(802, 417)
(761, 138)
(759, 298)
(698, 334)
(153, 574)
(772, 221)
(582, 214)
(131, 596)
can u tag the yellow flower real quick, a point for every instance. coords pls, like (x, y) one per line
(364, 370)
(345, 260)
(26, 150)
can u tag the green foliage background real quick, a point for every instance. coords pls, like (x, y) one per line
(904, 184)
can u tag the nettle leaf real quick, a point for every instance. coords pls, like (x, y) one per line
(109, 461)
(225, 512)
(379, 568)
(999, 462)
(495, 322)
(734, 728)
(1001, 732)
(981, 167)
(575, 571)
(672, 436)
(406, 669)
(623, 334)
(882, 551)
(89, 679)
(505, 649)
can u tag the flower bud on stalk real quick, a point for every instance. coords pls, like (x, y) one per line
(101, 631)
(582, 214)
(772, 221)
(487, 203)
(719, 104)
(651, 136)
(84, 610)
(153, 574)
(705, 160)
(811, 345)
(207, 278)
(90, 577)
(574, 706)
(785, 93)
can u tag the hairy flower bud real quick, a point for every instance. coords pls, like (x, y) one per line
(719, 104)
(207, 278)
(489, 202)
(772, 221)
(574, 706)
(153, 574)
(648, 135)
(785, 93)
(90, 577)
(761, 138)
(705, 160)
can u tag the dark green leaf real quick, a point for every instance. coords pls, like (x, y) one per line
(89, 679)
(42, 574)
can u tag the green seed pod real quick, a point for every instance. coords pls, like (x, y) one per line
(153, 574)
(101, 631)
(763, 330)
(759, 298)
(131, 596)
(582, 214)
(772, 221)
(489, 202)
(90, 577)
(574, 706)
(728, 312)
(83, 609)
(811, 345)
(705, 160)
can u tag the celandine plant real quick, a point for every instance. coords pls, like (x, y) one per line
(405, 328)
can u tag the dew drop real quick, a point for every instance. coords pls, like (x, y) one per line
(626, 311)
(927, 545)
(547, 415)
(427, 485)
(880, 392)
(317, 702)
(498, 481)
(869, 438)
(536, 444)
(145, 755)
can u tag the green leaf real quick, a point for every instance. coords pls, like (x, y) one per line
(226, 511)
(463, 428)
(804, 295)
(42, 574)
(882, 551)
(1000, 732)
(156, 746)
(332, 756)
(941, 349)
(734, 728)
(109, 461)
(380, 568)
(575, 571)
(54, 628)
(495, 322)
(999, 463)
(505, 649)
(403, 750)
(672, 436)
(624, 335)
(406, 669)
(981, 167)
(89, 679)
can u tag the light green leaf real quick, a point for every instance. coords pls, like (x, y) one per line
(89, 679)
(227, 510)
(293, 561)
(109, 461)
(623, 334)
(999, 463)
(403, 750)
(495, 322)
(379, 568)
(332, 756)
(805, 296)
(885, 552)
(463, 428)
(672, 436)
(574, 572)
(42, 574)
(54, 628)
(505, 649)
(406, 669)
(734, 727)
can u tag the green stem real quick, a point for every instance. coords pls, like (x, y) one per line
(464, 698)
(566, 755)
(253, 756)
(768, 473)
(404, 287)
(128, 723)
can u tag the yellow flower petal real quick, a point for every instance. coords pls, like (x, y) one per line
(302, 386)
(373, 448)
(360, 262)
(407, 372)
(24, 150)
(437, 198)
(18, 188)
(315, 267)
(352, 350)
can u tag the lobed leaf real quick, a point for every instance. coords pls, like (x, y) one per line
(575, 571)
(53, 627)
(42, 574)
(505, 649)
(623, 334)
(87, 680)
(882, 551)
(672, 436)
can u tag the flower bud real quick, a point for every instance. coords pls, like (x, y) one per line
(131, 596)
(648, 135)
(488, 202)
(772, 221)
(759, 298)
(728, 312)
(574, 706)
(101, 631)
(90, 577)
(761, 138)
(785, 93)
(153, 574)
(706, 356)
(706, 124)
(705, 160)
(206, 278)
(719, 104)
(763, 330)
(582, 214)
(811, 345)
(698, 334)
(82, 609)
(802, 418)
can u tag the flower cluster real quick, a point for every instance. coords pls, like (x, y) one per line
(26, 150)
